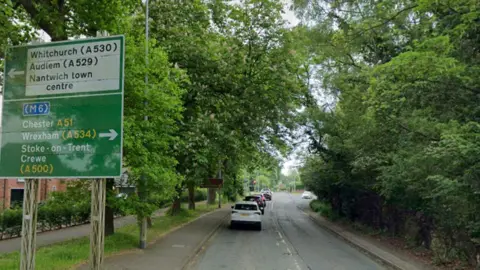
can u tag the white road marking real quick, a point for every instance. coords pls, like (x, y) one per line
(277, 227)
(289, 251)
(178, 246)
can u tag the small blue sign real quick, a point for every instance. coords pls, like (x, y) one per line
(37, 108)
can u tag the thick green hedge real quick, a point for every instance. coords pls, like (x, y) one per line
(200, 195)
(62, 210)
(50, 216)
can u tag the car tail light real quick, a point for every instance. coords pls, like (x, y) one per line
(233, 212)
(258, 213)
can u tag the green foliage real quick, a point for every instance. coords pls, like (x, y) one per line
(398, 151)
(149, 145)
(62, 209)
(243, 85)
(11, 222)
(64, 19)
(200, 195)
(322, 208)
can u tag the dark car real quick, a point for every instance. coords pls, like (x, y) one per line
(258, 199)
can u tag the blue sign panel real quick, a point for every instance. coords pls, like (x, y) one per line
(37, 108)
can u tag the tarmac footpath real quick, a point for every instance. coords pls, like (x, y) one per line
(174, 250)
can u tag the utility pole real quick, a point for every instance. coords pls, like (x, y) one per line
(218, 189)
(143, 186)
(256, 179)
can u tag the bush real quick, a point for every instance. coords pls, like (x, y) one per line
(11, 221)
(200, 195)
(62, 209)
(322, 208)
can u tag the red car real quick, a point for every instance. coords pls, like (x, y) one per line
(264, 200)
(259, 199)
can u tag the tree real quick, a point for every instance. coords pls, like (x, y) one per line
(393, 151)
(147, 145)
(61, 20)
(235, 105)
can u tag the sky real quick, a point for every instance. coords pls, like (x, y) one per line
(292, 160)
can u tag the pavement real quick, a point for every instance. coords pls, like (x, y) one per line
(65, 234)
(174, 250)
(289, 240)
(394, 259)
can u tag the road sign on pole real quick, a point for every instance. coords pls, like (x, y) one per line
(212, 183)
(63, 109)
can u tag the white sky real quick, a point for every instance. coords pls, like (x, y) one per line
(292, 160)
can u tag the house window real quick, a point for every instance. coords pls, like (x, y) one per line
(16, 197)
(54, 188)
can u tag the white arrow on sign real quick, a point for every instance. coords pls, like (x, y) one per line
(112, 134)
(12, 73)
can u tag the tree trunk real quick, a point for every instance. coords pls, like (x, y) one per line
(176, 205)
(149, 222)
(211, 195)
(191, 197)
(109, 224)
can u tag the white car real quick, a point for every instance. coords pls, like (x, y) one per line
(307, 195)
(246, 213)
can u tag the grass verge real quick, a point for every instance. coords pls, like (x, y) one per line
(68, 254)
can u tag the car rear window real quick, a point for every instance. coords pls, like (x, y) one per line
(250, 207)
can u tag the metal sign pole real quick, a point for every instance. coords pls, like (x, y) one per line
(143, 179)
(97, 223)
(29, 225)
(220, 176)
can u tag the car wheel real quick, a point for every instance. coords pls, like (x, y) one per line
(259, 226)
(232, 225)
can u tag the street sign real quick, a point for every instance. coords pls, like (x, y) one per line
(63, 109)
(212, 183)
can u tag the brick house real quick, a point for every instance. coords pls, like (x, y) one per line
(11, 190)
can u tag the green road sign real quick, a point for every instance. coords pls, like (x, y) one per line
(63, 110)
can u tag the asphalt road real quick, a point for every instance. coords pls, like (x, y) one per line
(289, 240)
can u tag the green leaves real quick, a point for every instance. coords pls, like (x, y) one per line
(404, 131)
(149, 145)
(234, 103)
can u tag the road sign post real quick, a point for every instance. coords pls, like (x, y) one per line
(29, 225)
(63, 118)
(97, 223)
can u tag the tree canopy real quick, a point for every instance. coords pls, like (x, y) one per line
(400, 145)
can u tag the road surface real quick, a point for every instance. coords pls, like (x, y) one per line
(289, 240)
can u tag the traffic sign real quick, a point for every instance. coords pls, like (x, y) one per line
(212, 183)
(63, 109)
